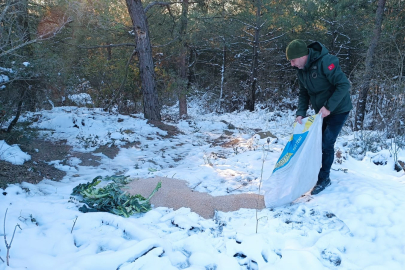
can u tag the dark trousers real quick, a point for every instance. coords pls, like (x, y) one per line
(331, 127)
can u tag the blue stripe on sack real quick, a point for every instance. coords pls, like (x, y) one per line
(289, 150)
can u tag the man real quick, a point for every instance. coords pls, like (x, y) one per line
(324, 84)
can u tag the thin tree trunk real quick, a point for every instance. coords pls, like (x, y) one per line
(183, 60)
(144, 49)
(401, 64)
(250, 102)
(19, 108)
(365, 86)
(222, 76)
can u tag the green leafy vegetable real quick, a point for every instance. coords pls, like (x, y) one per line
(112, 198)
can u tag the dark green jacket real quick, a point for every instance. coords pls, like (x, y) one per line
(323, 83)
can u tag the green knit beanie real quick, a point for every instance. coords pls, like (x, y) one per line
(296, 49)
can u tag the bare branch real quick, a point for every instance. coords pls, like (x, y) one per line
(271, 39)
(246, 32)
(40, 38)
(209, 63)
(8, 246)
(166, 4)
(263, 23)
(244, 23)
(4, 12)
(74, 223)
(19, 46)
(53, 33)
(108, 46)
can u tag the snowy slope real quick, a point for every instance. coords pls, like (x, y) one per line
(356, 223)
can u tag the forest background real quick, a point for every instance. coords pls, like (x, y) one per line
(137, 56)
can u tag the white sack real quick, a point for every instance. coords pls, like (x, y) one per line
(296, 171)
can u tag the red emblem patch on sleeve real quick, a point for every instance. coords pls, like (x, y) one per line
(331, 66)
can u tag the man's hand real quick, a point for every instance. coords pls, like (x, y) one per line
(324, 112)
(299, 119)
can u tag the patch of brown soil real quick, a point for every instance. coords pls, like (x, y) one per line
(171, 130)
(87, 159)
(42, 152)
(136, 144)
(175, 194)
(265, 134)
(37, 168)
(231, 143)
(110, 152)
(28, 172)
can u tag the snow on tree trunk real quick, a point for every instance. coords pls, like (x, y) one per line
(222, 75)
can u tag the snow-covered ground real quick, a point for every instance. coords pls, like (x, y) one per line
(356, 223)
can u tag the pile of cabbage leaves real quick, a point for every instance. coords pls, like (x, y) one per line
(111, 198)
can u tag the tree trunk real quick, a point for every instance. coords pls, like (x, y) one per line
(364, 88)
(183, 60)
(222, 76)
(251, 99)
(19, 107)
(144, 49)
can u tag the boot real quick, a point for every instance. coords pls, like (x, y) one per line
(321, 185)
